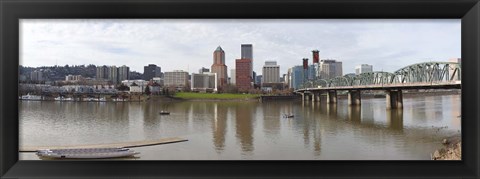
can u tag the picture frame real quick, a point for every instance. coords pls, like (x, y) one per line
(467, 10)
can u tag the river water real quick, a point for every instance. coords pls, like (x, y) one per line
(251, 130)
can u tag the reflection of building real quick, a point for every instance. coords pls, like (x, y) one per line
(176, 78)
(219, 67)
(219, 126)
(244, 126)
(205, 82)
(243, 72)
(363, 68)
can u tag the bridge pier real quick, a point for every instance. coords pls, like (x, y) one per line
(331, 97)
(354, 97)
(316, 96)
(394, 99)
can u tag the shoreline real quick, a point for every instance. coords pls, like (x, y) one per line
(451, 150)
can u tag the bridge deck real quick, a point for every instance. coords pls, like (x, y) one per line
(443, 85)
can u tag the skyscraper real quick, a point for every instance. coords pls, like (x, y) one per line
(123, 73)
(247, 53)
(243, 74)
(113, 74)
(219, 67)
(102, 72)
(330, 69)
(271, 72)
(151, 71)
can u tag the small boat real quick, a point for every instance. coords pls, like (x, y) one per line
(164, 113)
(30, 97)
(86, 153)
(288, 115)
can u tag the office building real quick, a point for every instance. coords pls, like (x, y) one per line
(330, 69)
(151, 71)
(363, 68)
(204, 82)
(271, 72)
(243, 74)
(176, 79)
(232, 76)
(74, 78)
(247, 53)
(220, 68)
(203, 70)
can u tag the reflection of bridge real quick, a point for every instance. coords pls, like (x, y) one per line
(428, 75)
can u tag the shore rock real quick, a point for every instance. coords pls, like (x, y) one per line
(450, 152)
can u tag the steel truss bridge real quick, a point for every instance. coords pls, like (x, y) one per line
(427, 75)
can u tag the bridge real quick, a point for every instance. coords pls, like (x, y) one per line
(427, 75)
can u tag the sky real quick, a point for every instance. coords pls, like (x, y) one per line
(188, 44)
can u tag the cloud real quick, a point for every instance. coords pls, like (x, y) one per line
(188, 44)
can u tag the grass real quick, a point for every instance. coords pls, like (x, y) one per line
(187, 95)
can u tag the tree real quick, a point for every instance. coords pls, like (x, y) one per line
(123, 87)
(147, 90)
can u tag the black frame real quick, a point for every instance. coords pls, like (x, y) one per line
(12, 10)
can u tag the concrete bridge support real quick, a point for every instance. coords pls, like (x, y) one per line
(316, 96)
(331, 97)
(354, 97)
(394, 99)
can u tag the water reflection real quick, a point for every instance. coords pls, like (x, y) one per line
(250, 130)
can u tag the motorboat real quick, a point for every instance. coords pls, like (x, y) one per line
(288, 115)
(31, 97)
(164, 113)
(86, 153)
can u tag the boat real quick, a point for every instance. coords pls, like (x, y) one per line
(164, 113)
(30, 97)
(288, 115)
(86, 153)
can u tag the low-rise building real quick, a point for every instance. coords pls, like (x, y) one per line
(204, 82)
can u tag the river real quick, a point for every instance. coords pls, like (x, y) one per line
(250, 130)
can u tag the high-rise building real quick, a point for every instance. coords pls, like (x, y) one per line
(176, 78)
(363, 68)
(247, 53)
(102, 72)
(297, 77)
(113, 74)
(243, 74)
(203, 70)
(123, 73)
(219, 67)
(271, 72)
(205, 82)
(232, 76)
(151, 71)
(330, 69)
(36, 76)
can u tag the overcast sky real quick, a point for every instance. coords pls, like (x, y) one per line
(188, 44)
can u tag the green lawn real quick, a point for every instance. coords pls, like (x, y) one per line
(186, 95)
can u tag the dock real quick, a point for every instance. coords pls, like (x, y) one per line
(120, 145)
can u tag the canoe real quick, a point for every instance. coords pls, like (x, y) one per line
(86, 153)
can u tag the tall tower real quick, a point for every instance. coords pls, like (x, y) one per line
(247, 53)
(219, 67)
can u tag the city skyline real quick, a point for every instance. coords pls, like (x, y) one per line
(189, 43)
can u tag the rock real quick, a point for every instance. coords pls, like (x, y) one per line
(445, 141)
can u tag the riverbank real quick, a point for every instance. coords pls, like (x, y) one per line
(452, 149)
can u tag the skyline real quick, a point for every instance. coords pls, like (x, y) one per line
(188, 44)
